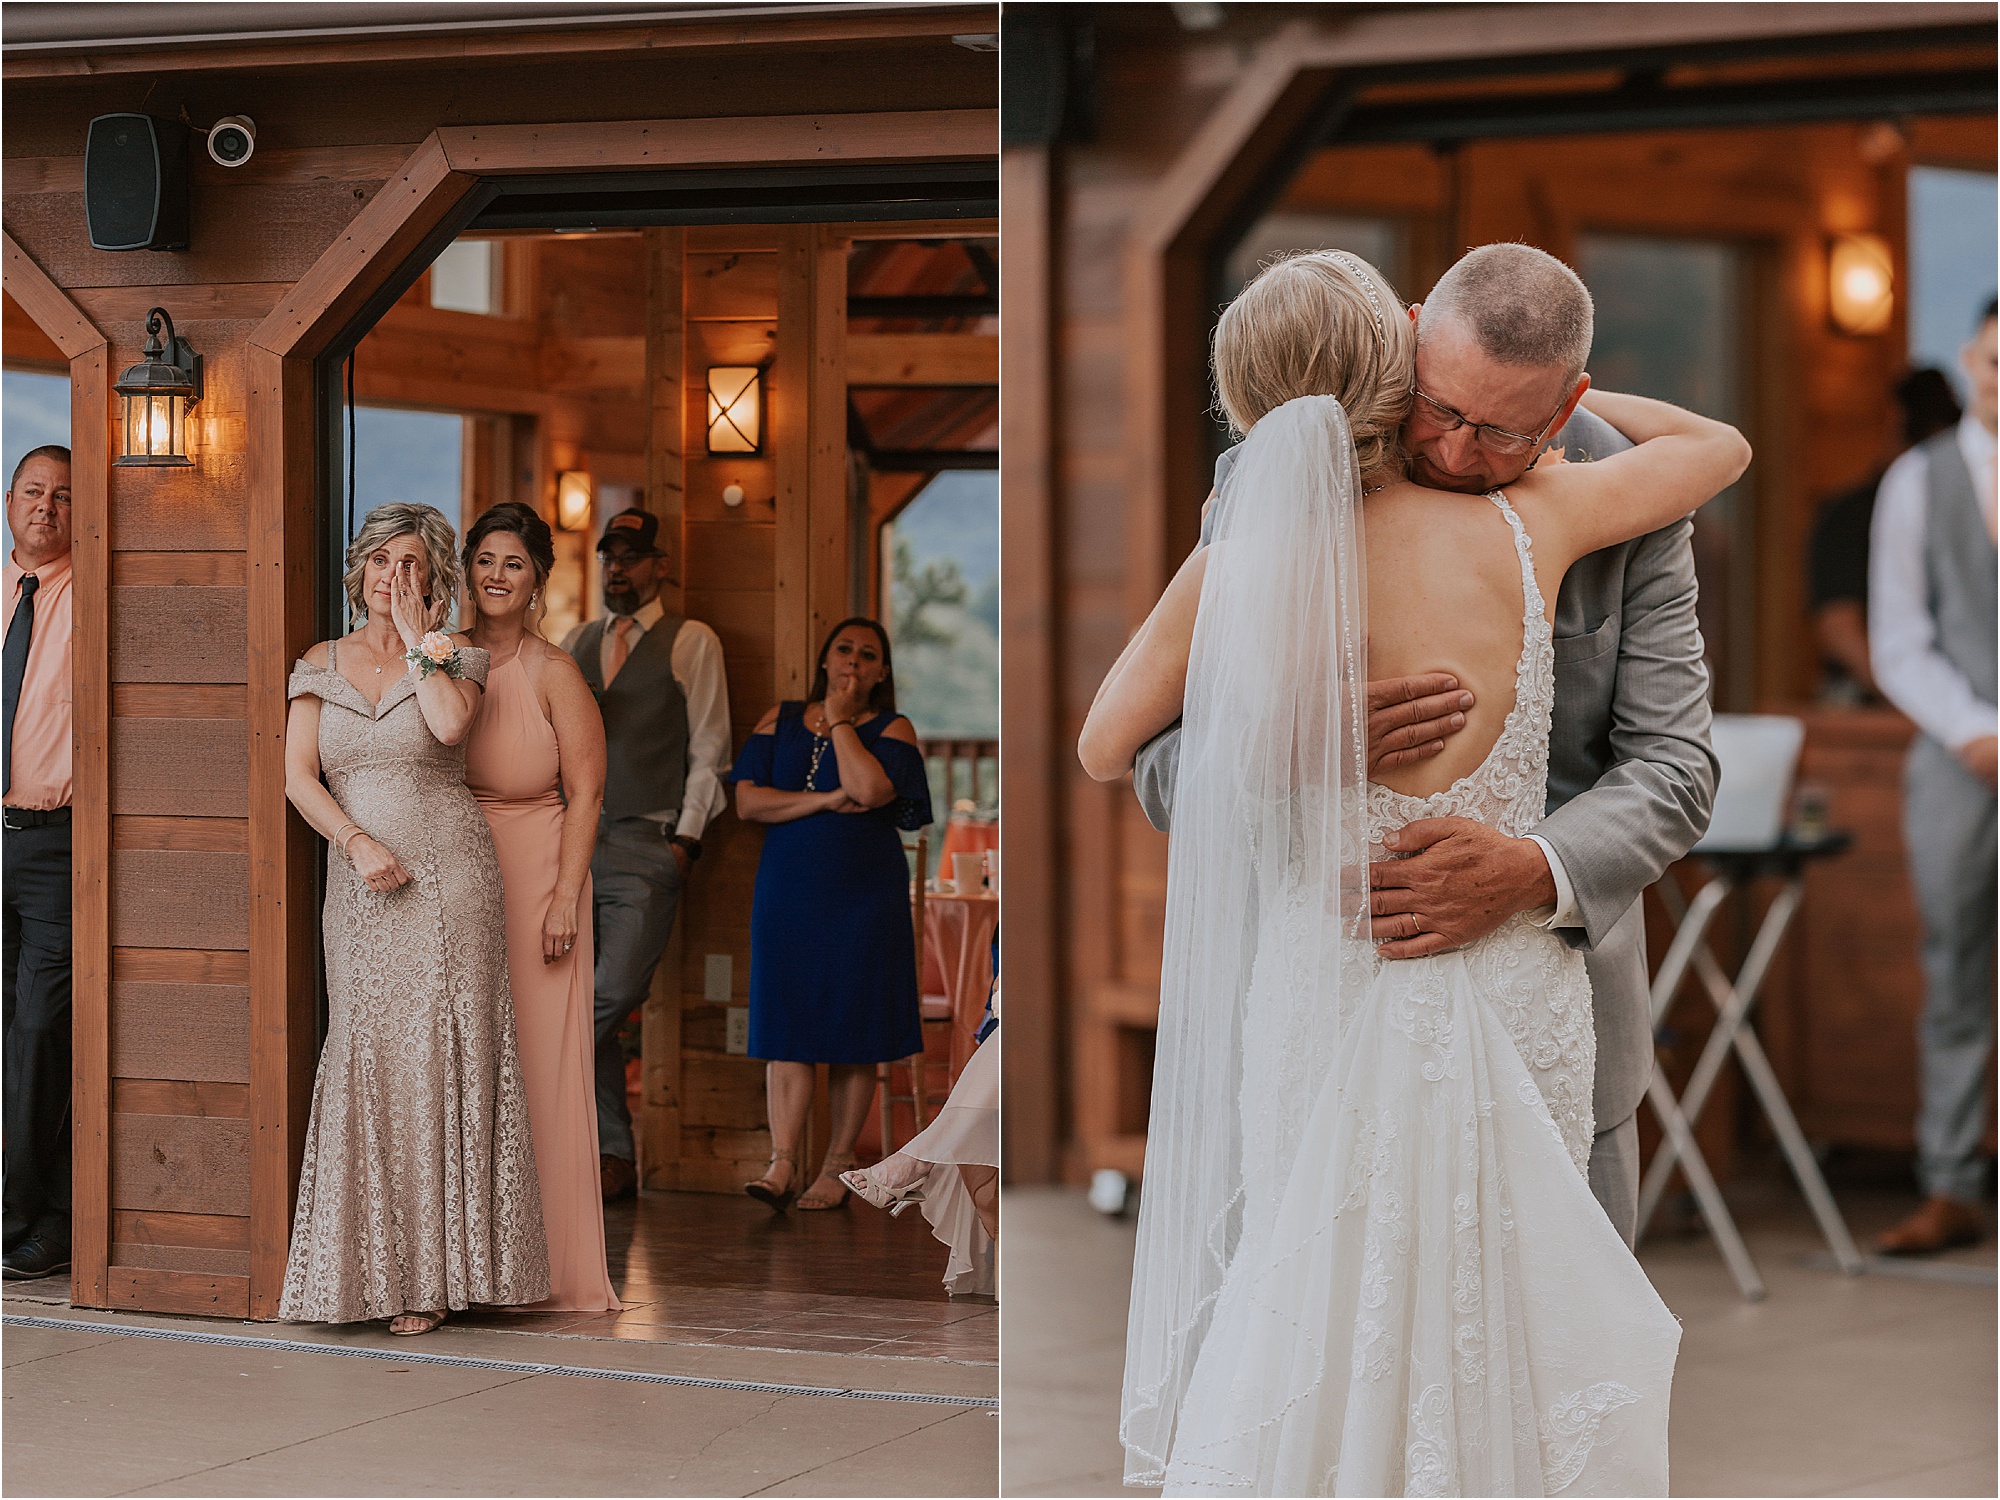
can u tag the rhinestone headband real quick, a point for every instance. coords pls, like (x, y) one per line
(1359, 267)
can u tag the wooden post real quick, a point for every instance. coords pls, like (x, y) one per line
(1031, 871)
(666, 473)
(808, 411)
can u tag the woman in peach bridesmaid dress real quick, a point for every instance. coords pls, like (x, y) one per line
(535, 762)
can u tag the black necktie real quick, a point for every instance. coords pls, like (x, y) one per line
(13, 667)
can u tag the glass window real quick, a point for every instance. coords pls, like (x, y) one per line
(1380, 242)
(36, 412)
(466, 277)
(943, 553)
(1953, 247)
(1667, 326)
(412, 457)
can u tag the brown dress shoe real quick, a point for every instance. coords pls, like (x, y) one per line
(620, 1179)
(1939, 1225)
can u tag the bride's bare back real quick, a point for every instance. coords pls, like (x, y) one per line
(1444, 595)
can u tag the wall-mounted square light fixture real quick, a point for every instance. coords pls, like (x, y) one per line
(573, 499)
(157, 393)
(735, 409)
(1861, 283)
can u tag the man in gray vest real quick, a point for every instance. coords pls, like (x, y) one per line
(1931, 628)
(659, 683)
(1631, 774)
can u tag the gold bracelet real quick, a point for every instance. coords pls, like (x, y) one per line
(343, 843)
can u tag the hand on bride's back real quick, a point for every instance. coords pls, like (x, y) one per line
(1456, 881)
(1409, 719)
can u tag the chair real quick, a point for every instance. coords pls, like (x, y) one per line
(934, 1010)
(1746, 839)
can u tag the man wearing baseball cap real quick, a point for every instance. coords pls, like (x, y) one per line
(659, 683)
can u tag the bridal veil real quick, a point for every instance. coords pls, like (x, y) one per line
(1269, 825)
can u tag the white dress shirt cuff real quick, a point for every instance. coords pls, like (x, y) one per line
(1563, 913)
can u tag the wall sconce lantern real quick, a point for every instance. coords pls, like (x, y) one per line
(1861, 283)
(158, 392)
(573, 499)
(735, 409)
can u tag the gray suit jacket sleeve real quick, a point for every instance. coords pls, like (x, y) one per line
(1159, 759)
(1654, 796)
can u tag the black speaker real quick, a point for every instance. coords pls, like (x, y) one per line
(135, 183)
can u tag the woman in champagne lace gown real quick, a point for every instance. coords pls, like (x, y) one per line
(418, 1191)
(1369, 1259)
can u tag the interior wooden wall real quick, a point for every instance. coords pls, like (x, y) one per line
(168, 999)
(1077, 1086)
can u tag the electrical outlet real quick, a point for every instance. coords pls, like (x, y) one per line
(737, 1037)
(717, 975)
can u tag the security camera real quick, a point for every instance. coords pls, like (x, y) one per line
(231, 140)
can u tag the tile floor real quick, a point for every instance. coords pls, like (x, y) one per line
(715, 1288)
(1877, 1385)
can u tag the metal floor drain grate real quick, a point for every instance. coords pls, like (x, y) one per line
(467, 1362)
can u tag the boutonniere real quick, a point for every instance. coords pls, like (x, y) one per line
(434, 653)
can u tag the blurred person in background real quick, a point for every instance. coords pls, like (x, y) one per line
(659, 684)
(1837, 556)
(37, 778)
(833, 960)
(1931, 630)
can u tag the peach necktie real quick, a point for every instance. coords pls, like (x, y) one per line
(621, 647)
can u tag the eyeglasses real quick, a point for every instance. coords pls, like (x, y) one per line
(1496, 440)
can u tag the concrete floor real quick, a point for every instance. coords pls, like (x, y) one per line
(717, 1289)
(1877, 1385)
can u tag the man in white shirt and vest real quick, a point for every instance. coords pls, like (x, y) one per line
(659, 683)
(1931, 633)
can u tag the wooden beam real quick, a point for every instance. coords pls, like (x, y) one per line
(662, 366)
(90, 826)
(282, 931)
(1567, 36)
(1032, 873)
(726, 239)
(832, 499)
(807, 409)
(26, 175)
(381, 237)
(923, 359)
(761, 140)
(45, 302)
(738, 35)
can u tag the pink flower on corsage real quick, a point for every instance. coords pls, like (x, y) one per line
(433, 653)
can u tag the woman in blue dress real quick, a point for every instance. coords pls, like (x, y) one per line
(833, 972)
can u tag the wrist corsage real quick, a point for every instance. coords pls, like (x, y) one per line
(434, 653)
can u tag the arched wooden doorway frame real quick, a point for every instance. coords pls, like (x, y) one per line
(1245, 141)
(89, 356)
(283, 548)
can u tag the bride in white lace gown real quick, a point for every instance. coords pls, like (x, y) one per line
(1369, 1262)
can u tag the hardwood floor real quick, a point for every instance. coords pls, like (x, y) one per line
(708, 1268)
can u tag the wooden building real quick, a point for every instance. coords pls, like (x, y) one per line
(661, 196)
(1149, 152)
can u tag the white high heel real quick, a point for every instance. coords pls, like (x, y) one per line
(894, 1199)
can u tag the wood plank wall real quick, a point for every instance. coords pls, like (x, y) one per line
(1825, 422)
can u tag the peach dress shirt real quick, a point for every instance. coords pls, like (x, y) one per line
(41, 754)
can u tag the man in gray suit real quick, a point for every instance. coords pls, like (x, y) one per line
(1631, 774)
